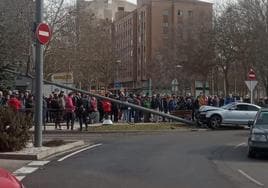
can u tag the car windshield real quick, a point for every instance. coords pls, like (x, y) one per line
(228, 106)
(262, 120)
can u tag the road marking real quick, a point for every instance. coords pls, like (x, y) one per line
(76, 152)
(20, 177)
(21, 173)
(25, 170)
(242, 144)
(250, 178)
(38, 163)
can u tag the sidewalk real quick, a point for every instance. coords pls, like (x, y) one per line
(12, 165)
(51, 126)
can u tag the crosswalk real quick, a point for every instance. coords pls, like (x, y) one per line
(28, 169)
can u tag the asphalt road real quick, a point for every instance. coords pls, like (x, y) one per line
(206, 159)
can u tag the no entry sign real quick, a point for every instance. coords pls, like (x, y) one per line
(43, 33)
(251, 75)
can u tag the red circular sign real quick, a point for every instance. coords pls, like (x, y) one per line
(251, 75)
(43, 33)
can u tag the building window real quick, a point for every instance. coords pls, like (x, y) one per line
(190, 13)
(165, 30)
(165, 24)
(165, 19)
(165, 13)
(180, 12)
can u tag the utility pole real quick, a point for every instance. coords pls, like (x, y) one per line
(38, 79)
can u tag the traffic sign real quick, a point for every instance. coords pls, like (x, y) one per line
(43, 33)
(251, 85)
(251, 75)
(117, 85)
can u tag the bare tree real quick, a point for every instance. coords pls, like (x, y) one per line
(16, 23)
(254, 16)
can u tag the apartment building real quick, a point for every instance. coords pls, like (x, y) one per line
(159, 24)
(125, 40)
(105, 9)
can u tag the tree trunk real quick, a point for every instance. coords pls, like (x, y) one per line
(266, 86)
(226, 83)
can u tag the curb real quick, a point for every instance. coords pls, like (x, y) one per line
(42, 154)
(119, 132)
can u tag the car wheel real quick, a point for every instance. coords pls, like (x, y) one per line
(251, 152)
(215, 122)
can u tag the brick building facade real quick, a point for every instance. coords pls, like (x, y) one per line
(159, 23)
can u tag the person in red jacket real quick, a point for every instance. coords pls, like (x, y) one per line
(70, 108)
(14, 103)
(107, 108)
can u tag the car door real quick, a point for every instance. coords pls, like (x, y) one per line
(252, 112)
(244, 114)
(235, 114)
(230, 115)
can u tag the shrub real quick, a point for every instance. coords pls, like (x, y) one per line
(14, 130)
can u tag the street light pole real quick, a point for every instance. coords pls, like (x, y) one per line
(38, 80)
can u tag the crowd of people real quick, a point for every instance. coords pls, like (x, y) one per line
(61, 107)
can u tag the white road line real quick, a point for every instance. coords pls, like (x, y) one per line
(242, 144)
(20, 177)
(25, 170)
(38, 163)
(74, 153)
(250, 178)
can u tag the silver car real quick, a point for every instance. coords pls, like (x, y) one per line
(231, 114)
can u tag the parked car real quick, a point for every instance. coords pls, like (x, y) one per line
(7, 180)
(258, 137)
(235, 114)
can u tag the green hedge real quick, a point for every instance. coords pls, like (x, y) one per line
(14, 130)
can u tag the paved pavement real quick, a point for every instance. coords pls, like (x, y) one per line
(176, 159)
(12, 165)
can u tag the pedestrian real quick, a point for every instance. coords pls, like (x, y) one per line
(29, 104)
(147, 104)
(69, 111)
(165, 105)
(14, 103)
(107, 108)
(137, 102)
(155, 105)
(56, 111)
(195, 109)
(216, 101)
(115, 110)
(94, 110)
(124, 110)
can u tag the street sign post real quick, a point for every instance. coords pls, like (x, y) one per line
(43, 33)
(174, 85)
(251, 83)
